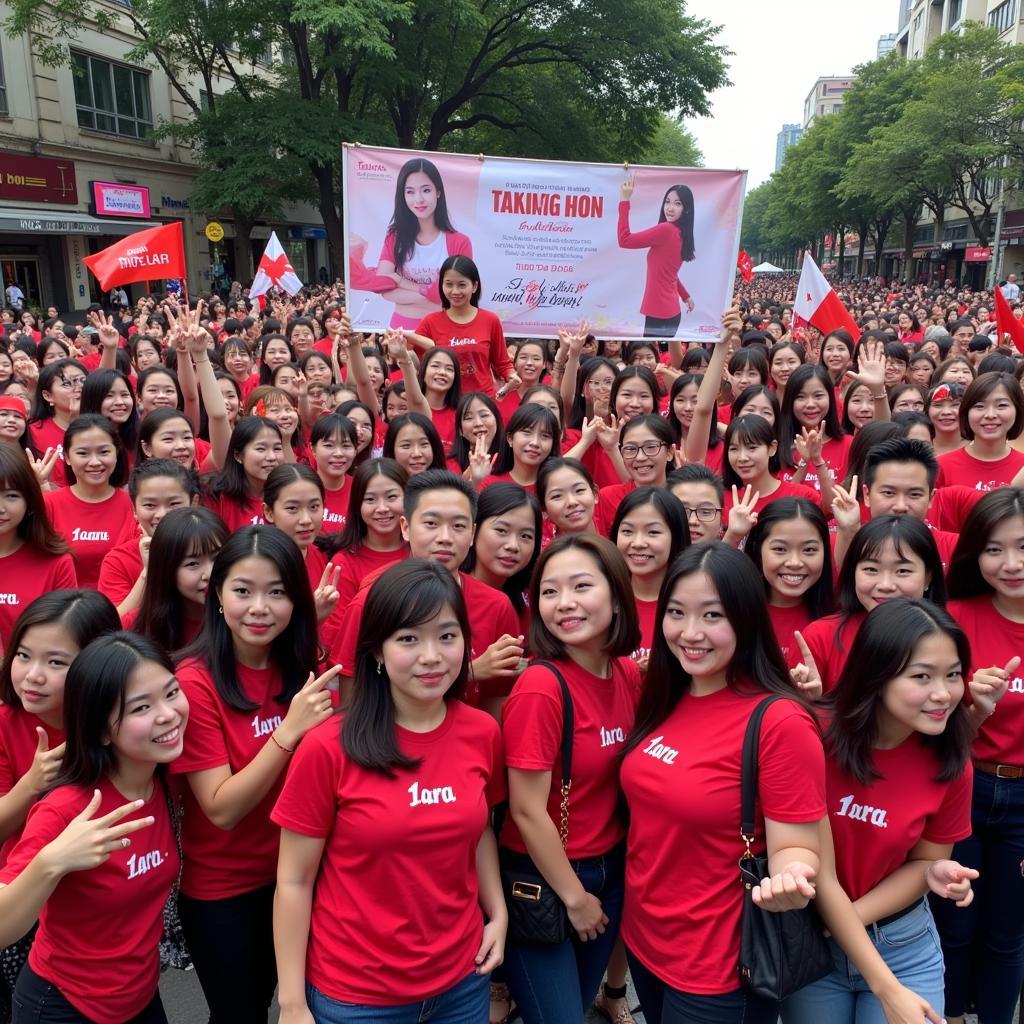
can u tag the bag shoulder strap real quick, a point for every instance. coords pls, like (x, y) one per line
(568, 721)
(749, 768)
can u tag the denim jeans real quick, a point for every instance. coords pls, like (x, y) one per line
(983, 944)
(36, 1001)
(910, 947)
(662, 1004)
(468, 1002)
(556, 984)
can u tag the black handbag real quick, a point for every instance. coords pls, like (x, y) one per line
(536, 916)
(780, 953)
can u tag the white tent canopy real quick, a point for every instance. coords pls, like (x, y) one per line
(768, 268)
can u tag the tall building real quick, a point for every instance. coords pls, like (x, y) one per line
(826, 97)
(923, 21)
(886, 44)
(789, 136)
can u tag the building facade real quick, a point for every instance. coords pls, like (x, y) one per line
(79, 168)
(789, 136)
(826, 97)
(886, 44)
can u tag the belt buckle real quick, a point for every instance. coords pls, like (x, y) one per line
(1011, 771)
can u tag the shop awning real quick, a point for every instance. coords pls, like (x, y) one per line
(54, 222)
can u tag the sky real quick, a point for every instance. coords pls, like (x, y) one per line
(780, 48)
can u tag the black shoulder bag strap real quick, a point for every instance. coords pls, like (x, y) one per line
(568, 728)
(749, 770)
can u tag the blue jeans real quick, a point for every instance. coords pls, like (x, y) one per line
(662, 1004)
(983, 944)
(467, 1003)
(910, 947)
(556, 984)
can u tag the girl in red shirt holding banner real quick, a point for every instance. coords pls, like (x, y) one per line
(389, 903)
(984, 946)
(249, 678)
(584, 623)
(669, 245)
(98, 856)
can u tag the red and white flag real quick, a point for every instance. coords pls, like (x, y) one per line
(745, 265)
(274, 271)
(155, 254)
(818, 305)
(1008, 323)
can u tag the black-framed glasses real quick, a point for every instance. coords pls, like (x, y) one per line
(704, 513)
(649, 448)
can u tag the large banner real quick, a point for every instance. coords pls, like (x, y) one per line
(636, 251)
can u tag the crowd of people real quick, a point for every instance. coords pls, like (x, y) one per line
(408, 677)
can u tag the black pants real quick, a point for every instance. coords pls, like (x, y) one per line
(36, 1001)
(658, 327)
(232, 946)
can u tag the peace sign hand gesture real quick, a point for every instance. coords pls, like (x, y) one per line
(481, 462)
(742, 517)
(326, 595)
(806, 677)
(845, 507)
(106, 332)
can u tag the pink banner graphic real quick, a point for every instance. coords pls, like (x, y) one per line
(638, 251)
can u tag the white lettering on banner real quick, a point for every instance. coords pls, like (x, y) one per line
(139, 864)
(264, 726)
(78, 534)
(143, 258)
(660, 751)
(437, 795)
(862, 812)
(10, 599)
(609, 737)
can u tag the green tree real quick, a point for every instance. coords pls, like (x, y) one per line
(672, 145)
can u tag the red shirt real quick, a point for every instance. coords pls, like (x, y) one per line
(663, 243)
(600, 467)
(608, 501)
(508, 405)
(604, 710)
(491, 616)
(220, 863)
(994, 641)
(91, 528)
(235, 515)
(99, 932)
(785, 621)
(479, 346)
(786, 489)
(647, 613)
(876, 825)
(835, 454)
(951, 506)
(405, 847)
(960, 467)
(444, 421)
(356, 566)
(682, 785)
(122, 566)
(26, 575)
(336, 507)
(830, 644)
(45, 434)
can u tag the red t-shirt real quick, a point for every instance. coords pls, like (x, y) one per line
(91, 528)
(356, 566)
(960, 467)
(682, 785)
(604, 710)
(491, 616)
(18, 743)
(444, 421)
(647, 613)
(26, 575)
(336, 507)
(45, 434)
(663, 242)
(995, 640)
(403, 848)
(220, 863)
(876, 825)
(835, 453)
(600, 467)
(786, 621)
(235, 515)
(479, 346)
(786, 489)
(99, 932)
(830, 644)
(506, 478)
(608, 501)
(951, 506)
(508, 405)
(122, 566)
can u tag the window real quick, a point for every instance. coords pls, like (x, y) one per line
(956, 12)
(955, 232)
(111, 97)
(3, 86)
(1004, 16)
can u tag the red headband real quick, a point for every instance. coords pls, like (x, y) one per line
(12, 403)
(942, 393)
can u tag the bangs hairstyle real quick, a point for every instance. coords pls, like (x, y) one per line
(820, 598)
(994, 509)
(908, 535)
(630, 373)
(80, 425)
(494, 502)
(285, 475)
(684, 225)
(755, 358)
(333, 426)
(546, 389)
(757, 667)
(982, 388)
(405, 596)
(752, 430)
(270, 396)
(461, 447)
(35, 528)
(152, 469)
(182, 533)
(879, 654)
(415, 419)
(684, 380)
(454, 392)
(94, 392)
(293, 653)
(464, 266)
(526, 417)
(94, 692)
(82, 614)
(669, 510)
(152, 425)
(231, 481)
(354, 532)
(551, 466)
(405, 225)
(789, 425)
(47, 380)
(589, 368)
(154, 371)
(624, 631)
(746, 396)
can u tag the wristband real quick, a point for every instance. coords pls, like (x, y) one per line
(880, 398)
(280, 746)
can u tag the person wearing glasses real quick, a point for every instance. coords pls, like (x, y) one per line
(647, 446)
(57, 402)
(702, 494)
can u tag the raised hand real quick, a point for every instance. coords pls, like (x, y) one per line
(481, 461)
(106, 332)
(845, 507)
(627, 188)
(810, 442)
(312, 705)
(326, 595)
(742, 517)
(45, 764)
(988, 685)
(607, 431)
(870, 366)
(43, 466)
(806, 677)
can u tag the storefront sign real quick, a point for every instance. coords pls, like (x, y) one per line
(113, 200)
(37, 179)
(170, 203)
(978, 254)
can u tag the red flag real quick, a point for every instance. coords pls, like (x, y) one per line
(150, 255)
(746, 266)
(817, 304)
(1007, 322)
